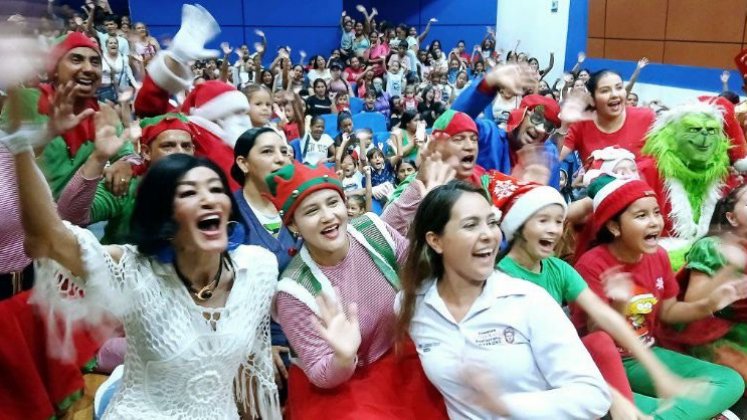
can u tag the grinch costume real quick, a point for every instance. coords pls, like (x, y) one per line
(686, 161)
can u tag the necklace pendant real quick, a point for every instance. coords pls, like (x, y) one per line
(204, 294)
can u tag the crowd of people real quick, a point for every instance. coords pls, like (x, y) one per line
(388, 231)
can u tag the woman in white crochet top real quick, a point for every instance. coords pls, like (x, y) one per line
(195, 308)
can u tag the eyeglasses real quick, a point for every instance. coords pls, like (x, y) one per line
(537, 117)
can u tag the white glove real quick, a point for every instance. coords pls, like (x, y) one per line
(198, 28)
(25, 139)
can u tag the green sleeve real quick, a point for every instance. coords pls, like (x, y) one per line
(574, 283)
(704, 256)
(106, 205)
(401, 188)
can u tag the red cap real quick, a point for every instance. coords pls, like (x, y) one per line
(528, 103)
(66, 43)
(152, 127)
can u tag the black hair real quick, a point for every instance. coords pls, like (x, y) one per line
(422, 262)
(719, 221)
(407, 117)
(243, 146)
(374, 150)
(111, 18)
(593, 83)
(730, 96)
(342, 116)
(152, 227)
(317, 81)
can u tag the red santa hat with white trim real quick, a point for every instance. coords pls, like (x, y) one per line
(604, 161)
(213, 100)
(518, 201)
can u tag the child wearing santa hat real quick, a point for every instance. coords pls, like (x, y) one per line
(533, 218)
(626, 224)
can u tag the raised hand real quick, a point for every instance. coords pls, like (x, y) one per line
(515, 78)
(259, 47)
(374, 12)
(618, 285)
(433, 170)
(360, 8)
(725, 76)
(280, 112)
(581, 57)
(433, 20)
(226, 48)
(22, 57)
(568, 79)
(107, 143)
(63, 118)
(302, 53)
(341, 331)
(259, 33)
(643, 62)
(574, 108)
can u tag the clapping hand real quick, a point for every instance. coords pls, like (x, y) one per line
(226, 48)
(340, 330)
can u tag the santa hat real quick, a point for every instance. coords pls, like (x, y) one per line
(154, 126)
(611, 196)
(550, 109)
(65, 43)
(604, 161)
(213, 100)
(451, 123)
(292, 183)
(733, 130)
(518, 201)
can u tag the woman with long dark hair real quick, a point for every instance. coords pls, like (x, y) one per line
(194, 304)
(483, 336)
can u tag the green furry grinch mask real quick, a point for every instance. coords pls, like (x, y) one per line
(689, 144)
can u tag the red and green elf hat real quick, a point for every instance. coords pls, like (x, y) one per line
(292, 183)
(451, 123)
(65, 43)
(154, 126)
(611, 196)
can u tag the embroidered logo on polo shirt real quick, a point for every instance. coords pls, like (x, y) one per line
(509, 334)
(426, 347)
(659, 283)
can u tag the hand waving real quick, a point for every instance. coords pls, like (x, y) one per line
(63, 118)
(515, 78)
(341, 331)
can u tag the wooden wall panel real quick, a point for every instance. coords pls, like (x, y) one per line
(636, 19)
(595, 47)
(705, 54)
(596, 18)
(712, 20)
(623, 49)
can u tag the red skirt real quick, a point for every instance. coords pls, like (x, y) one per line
(34, 385)
(395, 387)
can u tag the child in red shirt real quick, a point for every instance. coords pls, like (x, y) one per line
(631, 272)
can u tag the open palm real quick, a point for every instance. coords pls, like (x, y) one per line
(340, 331)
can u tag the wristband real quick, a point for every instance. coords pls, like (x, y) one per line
(25, 139)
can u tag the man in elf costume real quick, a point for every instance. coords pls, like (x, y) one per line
(74, 69)
(217, 110)
(85, 200)
(686, 160)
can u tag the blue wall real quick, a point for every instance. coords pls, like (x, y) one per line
(305, 25)
(313, 26)
(689, 77)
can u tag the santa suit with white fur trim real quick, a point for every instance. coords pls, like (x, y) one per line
(210, 106)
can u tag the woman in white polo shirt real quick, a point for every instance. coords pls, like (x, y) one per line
(493, 345)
